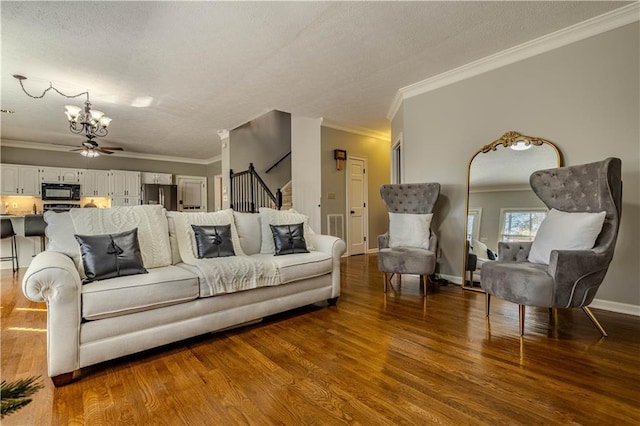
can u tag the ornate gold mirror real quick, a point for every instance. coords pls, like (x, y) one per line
(500, 203)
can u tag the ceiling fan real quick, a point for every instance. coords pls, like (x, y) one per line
(90, 148)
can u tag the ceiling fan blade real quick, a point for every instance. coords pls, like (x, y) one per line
(77, 149)
(103, 150)
(112, 148)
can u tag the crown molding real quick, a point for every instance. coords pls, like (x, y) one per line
(384, 136)
(580, 31)
(138, 155)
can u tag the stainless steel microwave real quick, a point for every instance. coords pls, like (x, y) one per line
(60, 191)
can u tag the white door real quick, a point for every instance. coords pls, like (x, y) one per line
(356, 206)
(192, 193)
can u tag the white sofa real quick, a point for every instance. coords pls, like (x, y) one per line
(106, 319)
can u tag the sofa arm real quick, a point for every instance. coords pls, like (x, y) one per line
(577, 274)
(383, 241)
(329, 244)
(336, 248)
(52, 277)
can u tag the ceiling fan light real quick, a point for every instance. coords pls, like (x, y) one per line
(90, 153)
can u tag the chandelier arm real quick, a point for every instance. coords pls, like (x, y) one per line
(75, 129)
(101, 132)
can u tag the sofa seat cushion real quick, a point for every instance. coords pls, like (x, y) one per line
(299, 266)
(167, 285)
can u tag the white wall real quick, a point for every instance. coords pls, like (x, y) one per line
(306, 174)
(584, 97)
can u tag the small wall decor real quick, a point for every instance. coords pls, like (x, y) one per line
(340, 156)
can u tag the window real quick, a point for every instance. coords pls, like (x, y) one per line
(396, 161)
(520, 224)
(474, 218)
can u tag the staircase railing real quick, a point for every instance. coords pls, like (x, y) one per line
(249, 192)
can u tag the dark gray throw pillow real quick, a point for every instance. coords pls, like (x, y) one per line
(110, 255)
(288, 239)
(213, 241)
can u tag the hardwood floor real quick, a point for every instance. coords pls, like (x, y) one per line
(371, 359)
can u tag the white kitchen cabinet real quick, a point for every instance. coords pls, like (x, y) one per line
(124, 201)
(94, 183)
(124, 188)
(156, 178)
(56, 174)
(124, 183)
(20, 180)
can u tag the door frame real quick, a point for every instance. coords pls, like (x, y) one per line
(217, 193)
(204, 199)
(365, 198)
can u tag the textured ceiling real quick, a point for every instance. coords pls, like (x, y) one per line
(207, 66)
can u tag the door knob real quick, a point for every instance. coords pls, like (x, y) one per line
(353, 212)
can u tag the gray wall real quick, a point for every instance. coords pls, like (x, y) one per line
(38, 157)
(263, 141)
(491, 203)
(584, 97)
(376, 152)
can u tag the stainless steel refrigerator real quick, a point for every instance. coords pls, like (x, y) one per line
(165, 195)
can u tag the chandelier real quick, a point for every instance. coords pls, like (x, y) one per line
(85, 121)
(91, 123)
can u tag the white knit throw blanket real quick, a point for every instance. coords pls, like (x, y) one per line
(224, 274)
(151, 222)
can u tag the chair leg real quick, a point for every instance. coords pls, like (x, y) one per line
(424, 280)
(14, 254)
(387, 280)
(487, 303)
(594, 320)
(521, 317)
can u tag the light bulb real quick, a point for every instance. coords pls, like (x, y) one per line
(72, 112)
(96, 115)
(520, 146)
(104, 121)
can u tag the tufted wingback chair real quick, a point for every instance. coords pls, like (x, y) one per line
(417, 198)
(572, 277)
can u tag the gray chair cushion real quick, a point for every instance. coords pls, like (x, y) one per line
(518, 282)
(407, 260)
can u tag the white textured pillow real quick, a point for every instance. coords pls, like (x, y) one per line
(479, 249)
(410, 230)
(187, 239)
(565, 231)
(281, 217)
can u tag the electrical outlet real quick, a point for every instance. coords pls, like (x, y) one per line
(14, 205)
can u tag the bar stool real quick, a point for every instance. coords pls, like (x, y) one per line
(34, 226)
(7, 232)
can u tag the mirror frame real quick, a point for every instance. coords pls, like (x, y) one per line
(508, 139)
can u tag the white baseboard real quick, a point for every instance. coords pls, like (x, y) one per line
(621, 308)
(451, 278)
(606, 305)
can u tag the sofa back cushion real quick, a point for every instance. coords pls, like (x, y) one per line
(151, 221)
(173, 239)
(249, 232)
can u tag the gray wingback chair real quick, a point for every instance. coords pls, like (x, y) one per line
(572, 277)
(417, 198)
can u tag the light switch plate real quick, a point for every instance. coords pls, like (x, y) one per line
(331, 195)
